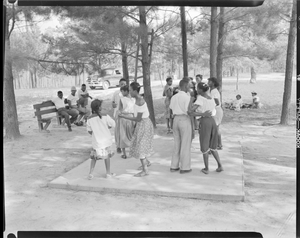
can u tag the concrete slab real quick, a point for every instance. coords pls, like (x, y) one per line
(227, 185)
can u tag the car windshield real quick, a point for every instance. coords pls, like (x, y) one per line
(105, 72)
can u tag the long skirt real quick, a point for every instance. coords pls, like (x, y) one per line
(126, 129)
(208, 134)
(168, 113)
(142, 140)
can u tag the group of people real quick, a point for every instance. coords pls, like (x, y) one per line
(133, 129)
(77, 106)
(193, 106)
(238, 104)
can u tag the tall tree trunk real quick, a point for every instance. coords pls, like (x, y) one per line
(145, 63)
(289, 68)
(11, 124)
(220, 49)
(213, 42)
(124, 61)
(184, 41)
(253, 75)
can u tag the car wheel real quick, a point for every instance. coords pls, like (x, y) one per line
(92, 87)
(106, 85)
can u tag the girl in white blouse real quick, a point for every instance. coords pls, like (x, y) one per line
(141, 146)
(125, 127)
(98, 125)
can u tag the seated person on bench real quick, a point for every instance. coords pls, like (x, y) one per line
(83, 93)
(59, 103)
(73, 102)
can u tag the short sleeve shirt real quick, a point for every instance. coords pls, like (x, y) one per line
(73, 99)
(205, 105)
(141, 109)
(59, 103)
(180, 103)
(101, 137)
(80, 92)
(216, 94)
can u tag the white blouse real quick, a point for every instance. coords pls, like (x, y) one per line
(141, 109)
(205, 105)
(216, 94)
(101, 137)
(128, 104)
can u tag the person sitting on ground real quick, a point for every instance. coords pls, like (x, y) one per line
(255, 101)
(59, 103)
(236, 104)
(73, 104)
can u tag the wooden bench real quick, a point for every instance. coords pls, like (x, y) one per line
(46, 108)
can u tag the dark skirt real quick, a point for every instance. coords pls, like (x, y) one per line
(208, 134)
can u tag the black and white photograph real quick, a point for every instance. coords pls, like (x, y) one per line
(134, 117)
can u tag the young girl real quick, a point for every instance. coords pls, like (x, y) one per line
(125, 127)
(168, 93)
(98, 125)
(205, 108)
(141, 145)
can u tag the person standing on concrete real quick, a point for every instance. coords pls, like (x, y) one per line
(141, 146)
(116, 104)
(98, 125)
(182, 129)
(215, 94)
(205, 107)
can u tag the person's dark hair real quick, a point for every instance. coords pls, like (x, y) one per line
(135, 86)
(83, 85)
(184, 82)
(254, 93)
(199, 75)
(203, 86)
(122, 79)
(95, 105)
(215, 81)
(239, 96)
(168, 79)
(59, 92)
(125, 88)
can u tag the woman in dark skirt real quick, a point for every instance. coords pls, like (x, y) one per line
(204, 107)
(141, 146)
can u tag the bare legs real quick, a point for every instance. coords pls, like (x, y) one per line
(217, 158)
(107, 166)
(144, 167)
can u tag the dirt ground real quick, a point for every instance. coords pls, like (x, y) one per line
(269, 163)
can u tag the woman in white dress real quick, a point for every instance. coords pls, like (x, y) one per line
(215, 94)
(125, 127)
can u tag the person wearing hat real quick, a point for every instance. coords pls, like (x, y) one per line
(74, 105)
(255, 101)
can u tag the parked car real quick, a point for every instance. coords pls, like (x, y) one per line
(108, 77)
